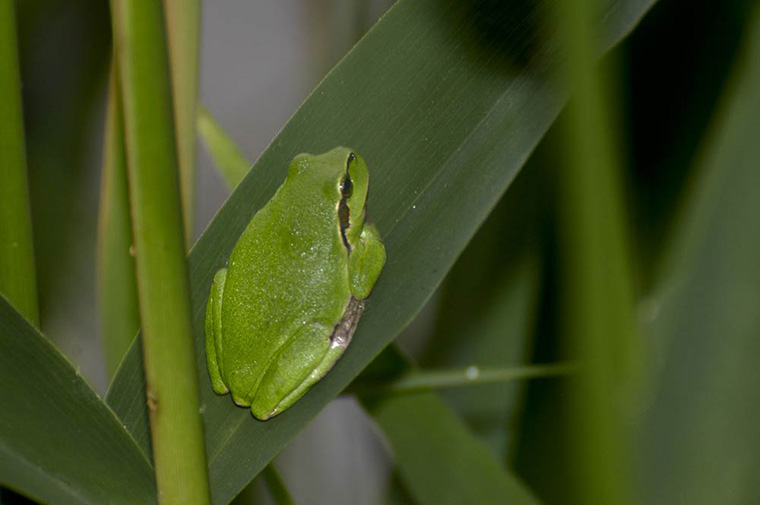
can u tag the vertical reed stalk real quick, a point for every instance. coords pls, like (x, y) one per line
(183, 24)
(162, 281)
(117, 285)
(598, 299)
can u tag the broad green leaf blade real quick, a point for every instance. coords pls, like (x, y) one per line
(437, 456)
(445, 112)
(59, 442)
(701, 434)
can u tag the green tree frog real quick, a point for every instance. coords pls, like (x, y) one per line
(285, 308)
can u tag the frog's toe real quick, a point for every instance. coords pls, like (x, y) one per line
(240, 401)
(262, 413)
(213, 330)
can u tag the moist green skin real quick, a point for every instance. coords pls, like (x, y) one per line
(285, 309)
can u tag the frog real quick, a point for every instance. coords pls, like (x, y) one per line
(287, 305)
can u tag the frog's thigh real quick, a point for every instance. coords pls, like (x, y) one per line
(289, 373)
(366, 262)
(214, 332)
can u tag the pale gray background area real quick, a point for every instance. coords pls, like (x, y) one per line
(255, 72)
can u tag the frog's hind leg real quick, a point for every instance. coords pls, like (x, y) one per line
(214, 332)
(290, 368)
(303, 361)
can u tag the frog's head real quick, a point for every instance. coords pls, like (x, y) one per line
(343, 177)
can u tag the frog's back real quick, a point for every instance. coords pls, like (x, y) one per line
(288, 269)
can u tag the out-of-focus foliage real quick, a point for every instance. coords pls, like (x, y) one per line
(699, 441)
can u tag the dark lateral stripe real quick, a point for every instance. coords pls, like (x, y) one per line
(344, 213)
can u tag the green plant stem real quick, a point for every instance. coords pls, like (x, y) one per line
(183, 23)
(168, 354)
(228, 158)
(598, 322)
(276, 486)
(117, 285)
(17, 276)
(428, 380)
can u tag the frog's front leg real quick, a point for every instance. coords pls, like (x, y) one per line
(366, 262)
(214, 332)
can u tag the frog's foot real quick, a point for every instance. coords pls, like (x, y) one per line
(214, 332)
(290, 368)
(366, 262)
(303, 361)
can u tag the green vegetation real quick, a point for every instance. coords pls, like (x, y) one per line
(585, 252)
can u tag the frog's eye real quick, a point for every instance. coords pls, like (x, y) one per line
(346, 187)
